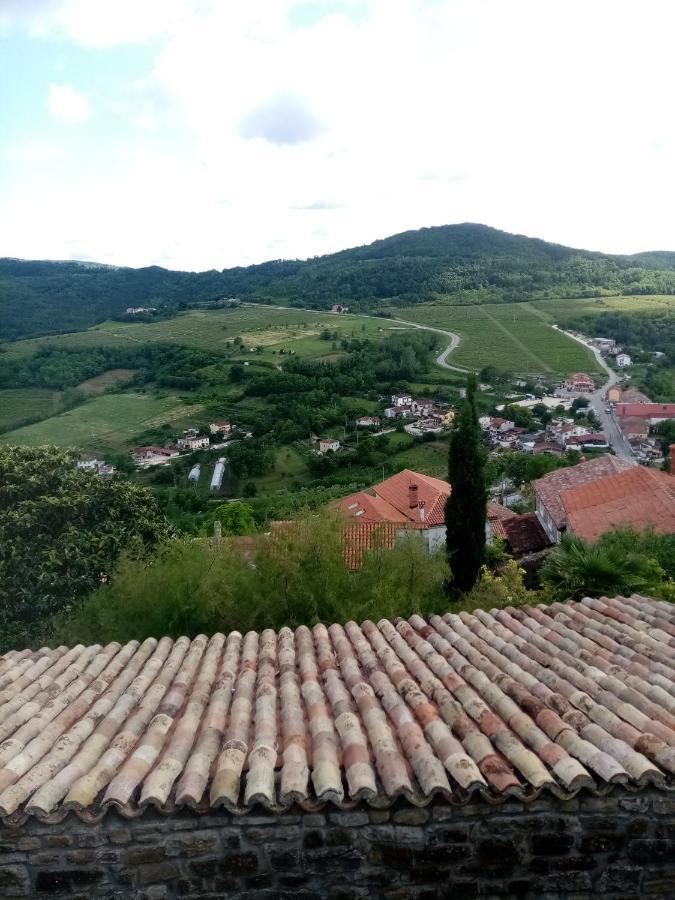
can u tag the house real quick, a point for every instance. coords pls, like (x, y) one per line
(613, 394)
(403, 411)
(193, 443)
(422, 407)
(135, 310)
(496, 424)
(605, 345)
(579, 383)
(652, 412)
(222, 427)
(141, 454)
(401, 400)
(623, 360)
(339, 308)
(637, 498)
(329, 445)
(444, 417)
(547, 490)
(591, 441)
(368, 422)
(522, 534)
(408, 500)
(634, 427)
(495, 513)
(547, 448)
(89, 463)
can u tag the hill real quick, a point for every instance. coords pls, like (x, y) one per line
(460, 264)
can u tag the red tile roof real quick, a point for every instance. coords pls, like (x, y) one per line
(495, 512)
(524, 534)
(646, 410)
(362, 536)
(504, 703)
(389, 501)
(549, 488)
(638, 498)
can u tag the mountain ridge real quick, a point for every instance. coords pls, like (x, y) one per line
(460, 263)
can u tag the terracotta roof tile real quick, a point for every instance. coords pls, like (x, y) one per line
(549, 488)
(507, 702)
(637, 498)
(524, 534)
(646, 410)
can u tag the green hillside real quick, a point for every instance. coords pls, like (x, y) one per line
(458, 264)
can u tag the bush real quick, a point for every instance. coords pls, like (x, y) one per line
(297, 575)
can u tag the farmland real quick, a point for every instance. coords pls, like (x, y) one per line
(271, 329)
(514, 337)
(99, 383)
(555, 310)
(106, 422)
(19, 405)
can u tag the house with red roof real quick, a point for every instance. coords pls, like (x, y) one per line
(651, 412)
(408, 499)
(636, 498)
(580, 383)
(547, 490)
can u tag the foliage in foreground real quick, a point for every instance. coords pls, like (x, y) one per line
(296, 576)
(61, 531)
(621, 562)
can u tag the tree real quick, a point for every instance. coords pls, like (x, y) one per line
(577, 569)
(465, 508)
(61, 532)
(234, 518)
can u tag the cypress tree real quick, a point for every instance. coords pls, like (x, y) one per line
(465, 508)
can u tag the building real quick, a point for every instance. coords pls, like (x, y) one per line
(522, 534)
(623, 360)
(152, 453)
(136, 310)
(605, 345)
(579, 383)
(217, 477)
(402, 411)
(407, 499)
(634, 427)
(422, 407)
(401, 400)
(194, 473)
(591, 441)
(368, 422)
(637, 498)
(547, 490)
(339, 308)
(329, 445)
(632, 395)
(444, 417)
(652, 412)
(193, 443)
(89, 463)
(223, 427)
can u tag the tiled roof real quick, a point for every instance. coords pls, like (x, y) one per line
(631, 395)
(362, 536)
(495, 511)
(504, 703)
(389, 501)
(637, 498)
(646, 410)
(524, 534)
(549, 487)
(432, 491)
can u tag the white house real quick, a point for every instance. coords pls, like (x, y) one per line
(367, 421)
(401, 400)
(89, 463)
(422, 407)
(222, 427)
(193, 443)
(623, 360)
(329, 445)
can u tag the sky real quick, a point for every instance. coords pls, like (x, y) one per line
(203, 134)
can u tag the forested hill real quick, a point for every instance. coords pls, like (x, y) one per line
(457, 263)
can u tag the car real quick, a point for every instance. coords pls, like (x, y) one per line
(608, 409)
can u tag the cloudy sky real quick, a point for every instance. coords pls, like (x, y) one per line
(202, 134)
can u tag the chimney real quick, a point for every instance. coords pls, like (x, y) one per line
(412, 496)
(672, 460)
(422, 504)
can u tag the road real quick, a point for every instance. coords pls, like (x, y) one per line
(441, 359)
(598, 401)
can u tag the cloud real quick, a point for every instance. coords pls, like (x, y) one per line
(318, 205)
(68, 105)
(284, 119)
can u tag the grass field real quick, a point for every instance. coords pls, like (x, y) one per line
(17, 405)
(106, 422)
(514, 337)
(554, 310)
(258, 326)
(99, 383)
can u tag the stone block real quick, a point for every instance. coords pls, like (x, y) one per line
(236, 864)
(119, 836)
(14, 881)
(195, 843)
(154, 872)
(601, 843)
(144, 855)
(379, 816)
(651, 852)
(410, 816)
(497, 852)
(59, 840)
(53, 881)
(619, 879)
(348, 819)
(551, 844)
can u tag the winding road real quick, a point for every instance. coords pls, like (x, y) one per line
(614, 434)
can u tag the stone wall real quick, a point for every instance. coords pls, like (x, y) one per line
(619, 846)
